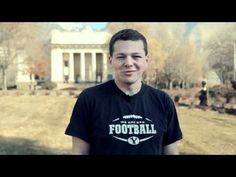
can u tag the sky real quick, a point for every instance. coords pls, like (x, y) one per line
(101, 25)
(195, 31)
(72, 25)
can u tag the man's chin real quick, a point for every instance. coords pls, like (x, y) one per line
(129, 81)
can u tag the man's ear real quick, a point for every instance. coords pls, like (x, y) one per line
(110, 59)
(147, 59)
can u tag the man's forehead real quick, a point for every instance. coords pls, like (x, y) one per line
(129, 46)
(127, 53)
(131, 42)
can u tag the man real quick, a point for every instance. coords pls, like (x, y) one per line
(203, 95)
(124, 115)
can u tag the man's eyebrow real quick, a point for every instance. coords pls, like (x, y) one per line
(136, 53)
(120, 54)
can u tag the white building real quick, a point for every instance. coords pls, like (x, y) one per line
(79, 56)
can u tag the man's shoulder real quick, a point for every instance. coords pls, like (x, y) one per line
(98, 89)
(156, 91)
(158, 94)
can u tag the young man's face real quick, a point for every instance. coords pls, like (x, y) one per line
(129, 61)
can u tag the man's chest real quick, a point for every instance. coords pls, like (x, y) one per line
(131, 122)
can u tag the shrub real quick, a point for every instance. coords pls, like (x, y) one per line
(47, 85)
(233, 84)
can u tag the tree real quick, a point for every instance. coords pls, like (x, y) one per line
(36, 50)
(189, 66)
(170, 70)
(8, 46)
(183, 65)
(33, 40)
(171, 36)
(221, 53)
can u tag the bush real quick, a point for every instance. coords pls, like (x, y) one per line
(177, 98)
(223, 91)
(47, 85)
(233, 84)
(218, 90)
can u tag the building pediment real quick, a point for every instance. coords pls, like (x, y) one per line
(79, 46)
(83, 37)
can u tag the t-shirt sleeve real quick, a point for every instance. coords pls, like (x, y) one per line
(173, 132)
(79, 121)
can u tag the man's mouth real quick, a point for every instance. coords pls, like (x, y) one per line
(129, 72)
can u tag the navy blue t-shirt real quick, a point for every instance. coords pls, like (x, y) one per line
(115, 123)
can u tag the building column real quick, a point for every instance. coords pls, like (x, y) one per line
(93, 66)
(82, 67)
(71, 68)
(105, 63)
(56, 66)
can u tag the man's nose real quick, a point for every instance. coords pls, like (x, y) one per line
(128, 61)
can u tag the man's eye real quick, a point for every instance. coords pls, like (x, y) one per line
(137, 57)
(120, 57)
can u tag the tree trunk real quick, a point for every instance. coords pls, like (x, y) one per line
(170, 85)
(4, 80)
(183, 84)
(187, 85)
(31, 83)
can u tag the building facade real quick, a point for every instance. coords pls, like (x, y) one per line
(78, 57)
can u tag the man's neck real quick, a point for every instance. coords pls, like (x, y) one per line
(129, 89)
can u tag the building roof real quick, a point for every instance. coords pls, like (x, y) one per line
(86, 36)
